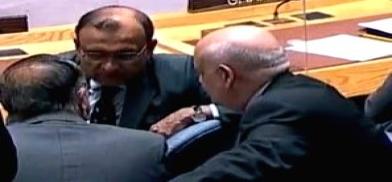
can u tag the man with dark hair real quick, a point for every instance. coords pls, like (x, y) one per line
(115, 47)
(294, 128)
(8, 162)
(132, 87)
(41, 95)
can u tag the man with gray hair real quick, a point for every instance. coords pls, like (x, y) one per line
(293, 127)
(42, 96)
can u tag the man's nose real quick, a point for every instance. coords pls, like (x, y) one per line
(109, 64)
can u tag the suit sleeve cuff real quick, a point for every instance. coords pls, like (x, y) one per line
(214, 110)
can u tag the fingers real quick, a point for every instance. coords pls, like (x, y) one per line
(167, 128)
(174, 122)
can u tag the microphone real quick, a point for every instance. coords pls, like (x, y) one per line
(276, 19)
(276, 11)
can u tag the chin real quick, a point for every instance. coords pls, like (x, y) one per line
(110, 82)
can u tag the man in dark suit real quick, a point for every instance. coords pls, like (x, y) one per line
(41, 94)
(115, 47)
(8, 162)
(294, 128)
(139, 89)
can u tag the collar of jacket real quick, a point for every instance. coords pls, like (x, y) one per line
(53, 116)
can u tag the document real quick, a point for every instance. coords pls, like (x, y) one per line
(344, 46)
(383, 25)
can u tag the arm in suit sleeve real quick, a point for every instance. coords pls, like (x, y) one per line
(378, 105)
(269, 146)
(226, 115)
(8, 160)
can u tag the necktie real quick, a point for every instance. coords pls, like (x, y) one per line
(104, 111)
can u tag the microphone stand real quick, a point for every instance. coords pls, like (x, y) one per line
(276, 19)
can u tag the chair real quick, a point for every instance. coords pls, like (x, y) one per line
(197, 143)
(184, 138)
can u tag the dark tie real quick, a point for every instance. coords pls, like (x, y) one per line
(104, 111)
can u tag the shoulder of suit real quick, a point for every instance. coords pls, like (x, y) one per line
(169, 65)
(69, 55)
(172, 59)
(300, 90)
(121, 132)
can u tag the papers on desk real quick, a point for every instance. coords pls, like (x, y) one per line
(383, 25)
(379, 29)
(344, 46)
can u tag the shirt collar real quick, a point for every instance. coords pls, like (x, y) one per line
(95, 86)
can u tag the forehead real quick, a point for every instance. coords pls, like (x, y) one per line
(113, 29)
(201, 57)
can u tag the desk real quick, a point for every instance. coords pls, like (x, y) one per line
(358, 78)
(174, 31)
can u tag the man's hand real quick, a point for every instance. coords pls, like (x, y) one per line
(174, 122)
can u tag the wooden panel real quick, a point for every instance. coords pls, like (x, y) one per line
(354, 79)
(36, 37)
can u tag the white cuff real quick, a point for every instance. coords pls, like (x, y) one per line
(389, 134)
(214, 110)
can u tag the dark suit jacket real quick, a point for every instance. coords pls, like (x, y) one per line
(378, 105)
(62, 147)
(8, 163)
(169, 83)
(299, 129)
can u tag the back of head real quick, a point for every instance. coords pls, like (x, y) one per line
(38, 84)
(97, 18)
(248, 49)
(235, 62)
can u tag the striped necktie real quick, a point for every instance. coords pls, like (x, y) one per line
(104, 111)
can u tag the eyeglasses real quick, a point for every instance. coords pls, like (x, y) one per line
(120, 56)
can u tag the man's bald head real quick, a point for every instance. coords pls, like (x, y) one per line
(245, 47)
(248, 36)
(110, 18)
(235, 62)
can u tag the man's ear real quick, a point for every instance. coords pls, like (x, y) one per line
(76, 42)
(227, 74)
(151, 45)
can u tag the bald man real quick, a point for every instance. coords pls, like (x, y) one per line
(293, 127)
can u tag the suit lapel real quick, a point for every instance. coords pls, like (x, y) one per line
(137, 100)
